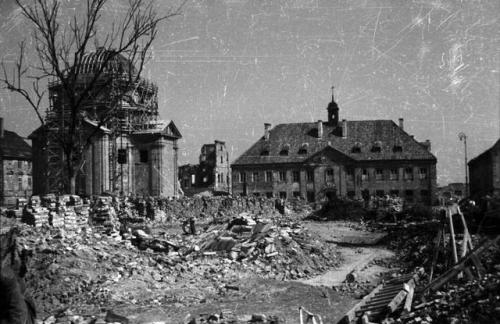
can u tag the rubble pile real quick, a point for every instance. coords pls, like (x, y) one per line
(283, 250)
(103, 215)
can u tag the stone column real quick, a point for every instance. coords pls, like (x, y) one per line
(157, 176)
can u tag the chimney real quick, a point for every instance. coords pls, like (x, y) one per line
(401, 123)
(344, 128)
(1, 128)
(427, 145)
(320, 128)
(267, 127)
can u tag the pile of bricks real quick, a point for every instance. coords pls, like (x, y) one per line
(36, 216)
(103, 215)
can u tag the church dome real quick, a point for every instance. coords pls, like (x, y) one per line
(117, 63)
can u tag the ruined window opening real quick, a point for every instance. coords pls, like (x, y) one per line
(379, 174)
(269, 194)
(376, 149)
(380, 193)
(296, 194)
(350, 174)
(143, 156)
(283, 194)
(329, 175)
(243, 177)
(269, 176)
(264, 153)
(408, 174)
(296, 176)
(364, 175)
(422, 174)
(351, 194)
(285, 149)
(282, 176)
(255, 177)
(303, 149)
(221, 159)
(356, 149)
(394, 174)
(394, 193)
(397, 149)
(310, 175)
(122, 156)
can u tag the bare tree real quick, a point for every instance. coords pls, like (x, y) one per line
(61, 48)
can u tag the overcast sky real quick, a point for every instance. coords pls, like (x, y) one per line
(226, 67)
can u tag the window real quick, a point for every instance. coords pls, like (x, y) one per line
(351, 194)
(458, 192)
(243, 177)
(29, 182)
(221, 177)
(205, 179)
(193, 179)
(364, 175)
(394, 174)
(356, 149)
(296, 194)
(350, 174)
(256, 194)
(424, 193)
(365, 194)
(221, 159)
(422, 173)
(269, 194)
(122, 156)
(255, 177)
(303, 148)
(409, 193)
(296, 176)
(394, 193)
(19, 164)
(376, 149)
(143, 156)
(310, 175)
(329, 175)
(380, 193)
(285, 149)
(310, 196)
(264, 153)
(283, 176)
(20, 183)
(397, 149)
(408, 174)
(283, 194)
(269, 176)
(379, 174)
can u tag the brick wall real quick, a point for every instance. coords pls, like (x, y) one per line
(17, 180)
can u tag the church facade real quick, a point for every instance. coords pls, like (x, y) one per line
(132, 153)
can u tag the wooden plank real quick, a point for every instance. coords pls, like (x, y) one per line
(351, 314)
(409, 299)
(396, 301)
(452, 236)
(437, 243)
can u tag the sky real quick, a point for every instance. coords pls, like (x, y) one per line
(226, 67)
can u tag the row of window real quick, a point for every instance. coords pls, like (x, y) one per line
(388, 174)
(378, 174)
(23, 183)
(377, 148)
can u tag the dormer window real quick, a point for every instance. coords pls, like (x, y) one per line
(265, 150)
(377, 147)
(397, 149)
(285, 149)
(356, 148)
(303, 149)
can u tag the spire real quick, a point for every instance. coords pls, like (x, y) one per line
(333, 110)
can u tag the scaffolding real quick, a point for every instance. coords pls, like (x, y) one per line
(114, 102)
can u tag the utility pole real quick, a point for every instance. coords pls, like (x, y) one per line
(463, 138)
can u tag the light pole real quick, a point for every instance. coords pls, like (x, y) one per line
(463, 138)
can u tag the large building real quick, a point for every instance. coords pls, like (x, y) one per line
(484, 173)
(132, 152)
(355, 159)
(213, 173)
(15, 163)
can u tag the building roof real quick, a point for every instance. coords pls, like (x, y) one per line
(13, 146)
(485, 153)
(362, 134)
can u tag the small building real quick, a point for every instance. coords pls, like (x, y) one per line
(213, 173)
(484, 173)
(15, 161)
(326, 159)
